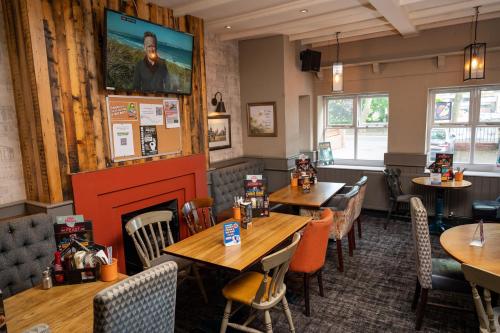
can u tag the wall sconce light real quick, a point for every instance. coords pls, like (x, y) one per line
(218, 103)
(337, 71)
(475, 56)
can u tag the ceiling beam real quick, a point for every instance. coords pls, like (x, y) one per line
(263, 12)
(295, 25)
(339, 28)
(453, 19)
(396, 16)
(447, 9)
(197, 6)
(356, 38)
(409, 2)
(366, 31)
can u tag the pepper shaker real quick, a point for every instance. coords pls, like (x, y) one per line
(46, 279)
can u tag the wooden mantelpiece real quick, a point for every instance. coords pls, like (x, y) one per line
(56, 57)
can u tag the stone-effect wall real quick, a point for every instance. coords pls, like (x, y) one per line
(11, 168)
(222, 74)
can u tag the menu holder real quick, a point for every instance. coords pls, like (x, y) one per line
(478, 237)
(255, 192)
(231, 233)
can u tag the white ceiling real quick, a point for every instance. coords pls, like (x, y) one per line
(354, 19)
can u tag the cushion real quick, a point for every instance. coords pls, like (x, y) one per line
(486, 209)
(447, 275)
(27, 247)
(244, 288)
(406, 197)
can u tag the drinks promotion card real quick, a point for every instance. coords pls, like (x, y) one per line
(478, 237)
(231, 233)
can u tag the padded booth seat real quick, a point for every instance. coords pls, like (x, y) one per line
(27, 247)
(227, 182)
(487, 210)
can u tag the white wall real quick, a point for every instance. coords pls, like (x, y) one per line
(223, 74)
(11, 169)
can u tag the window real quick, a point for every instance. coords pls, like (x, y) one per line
(466, 123)
(356, 126)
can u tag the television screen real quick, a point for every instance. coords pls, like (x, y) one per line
(146, 57)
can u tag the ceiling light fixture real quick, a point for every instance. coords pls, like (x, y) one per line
(228, 27)
(304, 11)
(337, 71)
(219, 104)
(475, 56)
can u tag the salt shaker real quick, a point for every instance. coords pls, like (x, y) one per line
(46, 279)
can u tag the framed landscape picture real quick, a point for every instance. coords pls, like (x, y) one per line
(262, 119)
(219, 132)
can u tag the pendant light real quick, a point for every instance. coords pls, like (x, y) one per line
(475, 56)
(337, 71)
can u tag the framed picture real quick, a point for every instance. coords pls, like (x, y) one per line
(219, 132)
(262, 119)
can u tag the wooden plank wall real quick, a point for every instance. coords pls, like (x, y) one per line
(56, 54)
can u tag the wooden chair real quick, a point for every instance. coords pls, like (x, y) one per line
(435, 274)
(397, 197)
(151, 233)
(261, 291)
(488, 320)
(309, 258)
(343, 219)
(198, 214)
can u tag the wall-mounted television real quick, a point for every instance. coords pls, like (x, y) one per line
(146, 57)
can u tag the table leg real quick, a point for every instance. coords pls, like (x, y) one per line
(437, 227)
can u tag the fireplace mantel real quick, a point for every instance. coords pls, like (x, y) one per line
(104, 196)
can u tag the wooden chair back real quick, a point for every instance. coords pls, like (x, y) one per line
(276, 266)
(489, 282)
(198, 214)
(151, 233)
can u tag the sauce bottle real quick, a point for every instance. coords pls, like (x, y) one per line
(58, 270)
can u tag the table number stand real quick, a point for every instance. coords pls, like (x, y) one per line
(478, 237)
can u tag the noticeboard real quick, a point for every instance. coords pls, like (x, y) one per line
(141, 127)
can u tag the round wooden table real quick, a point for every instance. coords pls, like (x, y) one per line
(455, 241)
(437, 226)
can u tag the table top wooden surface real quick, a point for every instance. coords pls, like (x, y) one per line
(265, 234)
(66, 308)
(455, 241)
(320, 193)
(451, 184)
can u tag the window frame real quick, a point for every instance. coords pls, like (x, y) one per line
(473, 123)
(355, 125)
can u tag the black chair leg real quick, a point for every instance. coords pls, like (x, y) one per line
(320, 283)
(421, 309)
(389, 213)
(339, 255)
(306, 293)
(359, 226)
(416, 295)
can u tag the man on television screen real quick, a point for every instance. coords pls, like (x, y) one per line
(151, 73)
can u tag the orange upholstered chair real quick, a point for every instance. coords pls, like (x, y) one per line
(311, 252)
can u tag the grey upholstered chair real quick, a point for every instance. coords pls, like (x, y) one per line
(151, 233)
(488, 321)
(144, 302)
(27, 247)
(432, 273)
(261, 291)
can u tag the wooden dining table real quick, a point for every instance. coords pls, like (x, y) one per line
(66, 308)
(260, 239)
(320, 193)
(455, 241)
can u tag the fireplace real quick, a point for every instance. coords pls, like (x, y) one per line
(104, 196)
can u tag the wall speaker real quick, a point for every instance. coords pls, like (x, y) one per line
(311, 60)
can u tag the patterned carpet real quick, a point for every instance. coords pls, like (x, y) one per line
(373, 294)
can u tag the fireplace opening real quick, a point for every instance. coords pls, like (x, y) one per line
(133, 264)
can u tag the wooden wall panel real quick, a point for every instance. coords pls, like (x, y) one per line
(56, 51)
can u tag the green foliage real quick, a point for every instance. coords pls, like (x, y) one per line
(339, 112)
(377, 109)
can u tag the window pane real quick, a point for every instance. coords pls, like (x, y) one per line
(374, 111)
(372, 143)
(342, 141)
(451, 107)
(490, 106)
(340, 111)
(454, 141)
(486, 145)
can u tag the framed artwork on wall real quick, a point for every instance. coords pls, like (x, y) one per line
(261, 119)
(219, 132)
